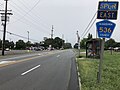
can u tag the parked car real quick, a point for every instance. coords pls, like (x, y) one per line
(7, 49)
(117, 49)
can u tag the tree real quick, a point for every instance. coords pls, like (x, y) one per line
(67, 46)
(76, 45)
(28, 44)
(83, 43)
(89, 36)
(57, 43)
(11, 45)
(48, 42)
(117, 44)
(20, 44)
(7, 44)
(110, 43)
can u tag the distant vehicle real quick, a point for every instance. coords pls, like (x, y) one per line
(7, 49)
(117, 49)
(110, 48)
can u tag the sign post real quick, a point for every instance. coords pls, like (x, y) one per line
(106, 10)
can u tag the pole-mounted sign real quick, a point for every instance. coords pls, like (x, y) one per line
(107, 10)
(105, 28)
(109, 5)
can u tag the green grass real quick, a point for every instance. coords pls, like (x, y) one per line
(110, 72)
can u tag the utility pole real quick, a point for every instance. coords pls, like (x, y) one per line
(78, 37)
(28, 36)
(52, 31)
(4, 19)
(3, 45)
(62, 41)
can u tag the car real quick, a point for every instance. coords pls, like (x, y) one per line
(7, 49)
(117, 49)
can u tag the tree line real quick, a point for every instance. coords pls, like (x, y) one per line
(108, 43)
(56, 43)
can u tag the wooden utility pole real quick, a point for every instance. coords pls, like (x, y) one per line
(52, 32)
(3, 45)
(4, 18)
(28, 36)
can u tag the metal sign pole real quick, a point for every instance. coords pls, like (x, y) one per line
(101, 60)
(78, 42)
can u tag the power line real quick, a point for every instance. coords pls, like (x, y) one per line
(1, 4)
(89, 28)
(19, 36)
(83, 34)
(28, 10)
(26, 13)
(37, 16)
(37, 24)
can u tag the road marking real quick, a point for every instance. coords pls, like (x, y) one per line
(30, 70)
(18, 57)
(4, 62)
(39, 54)
(58, 55)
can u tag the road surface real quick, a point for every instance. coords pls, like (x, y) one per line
(40, 71)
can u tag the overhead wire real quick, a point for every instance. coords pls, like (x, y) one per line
(37, 14)
(19, 35)
(36, 18)
(29, 20)
(1, 4)
(89, 26)
(26, 13)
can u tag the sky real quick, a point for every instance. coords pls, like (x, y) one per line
(67, 17)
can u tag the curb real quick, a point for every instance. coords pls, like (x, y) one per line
(78, 74)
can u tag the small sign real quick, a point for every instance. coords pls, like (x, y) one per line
(105, 28)
(109, 5)
(107, 15)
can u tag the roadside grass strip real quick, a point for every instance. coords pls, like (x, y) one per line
(110, 80)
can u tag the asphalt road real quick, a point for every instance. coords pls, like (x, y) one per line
(42, 71)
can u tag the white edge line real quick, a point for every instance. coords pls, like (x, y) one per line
(30, 70)
(78, 76)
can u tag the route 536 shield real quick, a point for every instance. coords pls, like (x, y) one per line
(105, 28)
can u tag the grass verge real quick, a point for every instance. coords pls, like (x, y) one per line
(88, 69)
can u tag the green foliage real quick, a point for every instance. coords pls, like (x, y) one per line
(20, 44)
(11, 45)
(76, 45)
(48, 42)
(89, 36)
(67, 46)
(56, 43)
(110, 72)
(110, 43)
(83, 43)
(7, 44)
